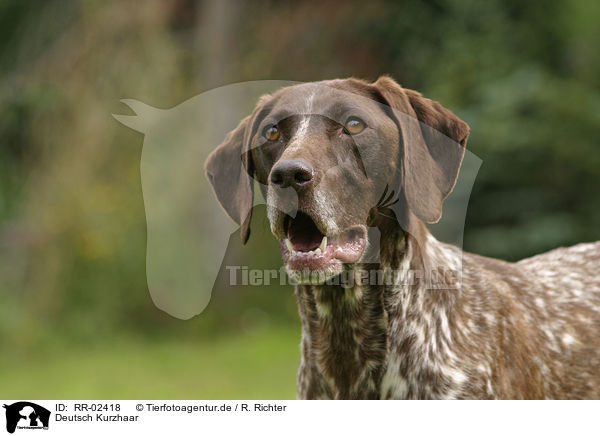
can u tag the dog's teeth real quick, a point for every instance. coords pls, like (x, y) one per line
(289, 245)
(318, 251)
(323, 245)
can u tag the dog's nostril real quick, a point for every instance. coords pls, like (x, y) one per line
(277, 178)
(302, 177)
(291, 172)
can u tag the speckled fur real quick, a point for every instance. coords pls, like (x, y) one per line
(526, 330)
(493, 330)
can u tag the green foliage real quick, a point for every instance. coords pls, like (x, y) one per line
(524, 75)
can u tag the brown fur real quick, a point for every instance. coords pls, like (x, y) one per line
(495, 330)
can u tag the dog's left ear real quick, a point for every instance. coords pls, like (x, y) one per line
(433, 142)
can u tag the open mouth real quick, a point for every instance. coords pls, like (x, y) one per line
(305, 247)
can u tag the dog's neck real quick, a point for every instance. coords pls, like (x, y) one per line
(344, 340)
(346, 330)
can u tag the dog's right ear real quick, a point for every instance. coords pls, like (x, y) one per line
(229, 169)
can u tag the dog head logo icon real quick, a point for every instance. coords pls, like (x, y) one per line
(26, 415)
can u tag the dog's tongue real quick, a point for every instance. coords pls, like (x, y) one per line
(303, 233)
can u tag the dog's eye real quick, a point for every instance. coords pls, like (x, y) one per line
(271, 133)
(354, 125)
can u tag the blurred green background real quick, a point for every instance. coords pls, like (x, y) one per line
(76, 319)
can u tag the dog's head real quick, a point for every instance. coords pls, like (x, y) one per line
(326, 155)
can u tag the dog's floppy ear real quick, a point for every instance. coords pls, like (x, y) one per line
(433, 142)
(229, 169)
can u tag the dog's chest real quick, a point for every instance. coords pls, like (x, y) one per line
(374, 350)
(419, 363)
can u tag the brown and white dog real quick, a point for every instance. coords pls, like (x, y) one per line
(337, 160)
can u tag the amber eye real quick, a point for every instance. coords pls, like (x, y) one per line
(271, 133)
(354, 125)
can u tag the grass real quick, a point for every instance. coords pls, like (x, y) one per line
(254, 366)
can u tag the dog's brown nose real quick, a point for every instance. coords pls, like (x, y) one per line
(292, 172)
